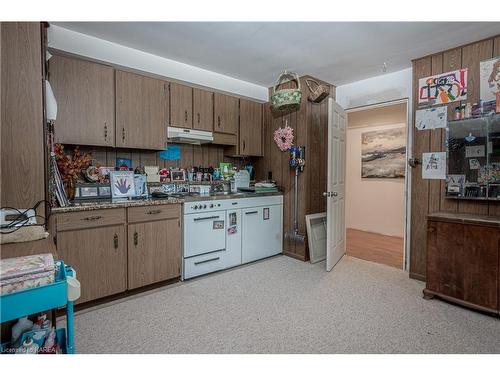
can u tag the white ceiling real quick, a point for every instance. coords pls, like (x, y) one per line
(337, 52)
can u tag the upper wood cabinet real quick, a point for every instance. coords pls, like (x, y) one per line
(250, 130)
(141, 111)
(203, 110)
(85, 97)
(226, 110)
(181, 105)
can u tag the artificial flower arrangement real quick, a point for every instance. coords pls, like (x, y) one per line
(284, 138)
(71, 167)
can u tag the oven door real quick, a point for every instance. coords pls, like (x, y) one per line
(204, 232)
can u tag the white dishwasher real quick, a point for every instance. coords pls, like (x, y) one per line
(262, 234)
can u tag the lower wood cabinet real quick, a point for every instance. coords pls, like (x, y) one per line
(153, 252)
(113, 250)
(99, 256)
(463, 260)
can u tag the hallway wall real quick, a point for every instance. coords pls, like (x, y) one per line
(370, 199)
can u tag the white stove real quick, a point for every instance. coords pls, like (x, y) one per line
(224, 233)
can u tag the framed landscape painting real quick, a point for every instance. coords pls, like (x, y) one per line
(383, 153)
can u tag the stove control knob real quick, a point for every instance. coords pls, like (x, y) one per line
(205, 206)
(195, 207)
(211, 206)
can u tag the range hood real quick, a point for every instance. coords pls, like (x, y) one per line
(190, 136)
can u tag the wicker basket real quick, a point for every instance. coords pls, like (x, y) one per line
(318, 91)
(286, 99)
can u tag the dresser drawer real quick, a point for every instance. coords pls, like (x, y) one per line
(150, 213)
(89, 219)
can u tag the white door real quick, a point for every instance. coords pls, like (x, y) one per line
(335, 201)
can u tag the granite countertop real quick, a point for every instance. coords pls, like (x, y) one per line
(462, 218)
(238, 195)
(106, 204)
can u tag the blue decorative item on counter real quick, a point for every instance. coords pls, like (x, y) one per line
(172, 152)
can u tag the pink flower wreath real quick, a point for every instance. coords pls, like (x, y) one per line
(284, 138)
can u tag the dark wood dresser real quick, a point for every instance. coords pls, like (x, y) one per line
(463, 260)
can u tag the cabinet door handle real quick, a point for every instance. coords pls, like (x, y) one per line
(244, 145)
(251, 212)
(136, 238)
(123, 134)
(198, 116)
(105, 131)
(206, 261)
(115, 241)
(185, 116)
(218, 121)
(92, 218)
(154, 212)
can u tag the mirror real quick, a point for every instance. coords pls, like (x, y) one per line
(473, 157)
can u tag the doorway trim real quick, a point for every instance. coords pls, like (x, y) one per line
(409, 152)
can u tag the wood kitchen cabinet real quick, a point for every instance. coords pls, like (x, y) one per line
(226, 113)
(85, 95)
(154, 243)
(153, 252)
(141, 111)
(203, 110)
(249, 130)
(181, 106)
(98, 252)
(463, 260)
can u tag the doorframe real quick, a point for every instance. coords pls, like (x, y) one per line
(409, 152)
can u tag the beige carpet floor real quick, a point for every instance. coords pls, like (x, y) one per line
(281, 305)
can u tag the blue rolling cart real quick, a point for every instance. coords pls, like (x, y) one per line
(47, 297)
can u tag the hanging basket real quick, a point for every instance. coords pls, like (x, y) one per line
(286, 99)
(318, 91)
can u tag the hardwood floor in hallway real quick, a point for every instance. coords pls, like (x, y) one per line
(375, 247)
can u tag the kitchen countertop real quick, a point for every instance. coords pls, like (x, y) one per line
(106, 204)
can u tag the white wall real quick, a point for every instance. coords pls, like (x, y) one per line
(112, 53)
(379, 89)
(373, 205)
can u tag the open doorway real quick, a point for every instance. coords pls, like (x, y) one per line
(376, 143)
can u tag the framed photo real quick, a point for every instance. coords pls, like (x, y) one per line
(123, 164)
(178, 175)
(141, 189)
(122, 184)
(92, 191)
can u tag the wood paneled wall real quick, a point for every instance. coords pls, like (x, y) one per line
(428, 196)
(205, 155)
(310, 127)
